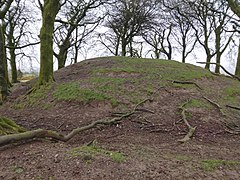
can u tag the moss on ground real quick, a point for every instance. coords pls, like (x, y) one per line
(198, 103)
(34, 98)
(7, 126)
(88, 153)
(213, 164)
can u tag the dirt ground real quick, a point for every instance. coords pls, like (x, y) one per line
(146, 143)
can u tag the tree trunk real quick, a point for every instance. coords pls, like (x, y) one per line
(3, 61)
(218, 53)
(237, 71)
(124, 45)
(62, 55)
(207, 66)
(157, 53)
(12, 54)
(184, 48)
(50, 10)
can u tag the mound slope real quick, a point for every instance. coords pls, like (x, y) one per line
(145, 144)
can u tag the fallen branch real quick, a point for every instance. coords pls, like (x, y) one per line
(233, 107)
(191, 129)
(226, 71)
(231, 129)
(187, 82)
(43, 134)
(216, 105)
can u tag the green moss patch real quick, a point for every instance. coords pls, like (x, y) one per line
(8, 126)
(197, 103)
(88, 153)
(73, 91)
(213, 164)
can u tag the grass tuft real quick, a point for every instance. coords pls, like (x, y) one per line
(213, 164)
(90, 152)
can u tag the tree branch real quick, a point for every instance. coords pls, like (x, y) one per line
(226, 71)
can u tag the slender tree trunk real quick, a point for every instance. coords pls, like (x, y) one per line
(50, 10)
(76, 54)
(62, 55)
(12, 55)
(157, 54)
(237, 71)
(124, 45)
(3, 61)
(117, 46)
(208, 60)
(13, 66)
(184, 47)
(218, 47)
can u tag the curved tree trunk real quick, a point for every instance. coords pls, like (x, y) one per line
(50, 10)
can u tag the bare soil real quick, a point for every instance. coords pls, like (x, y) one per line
(148, 141)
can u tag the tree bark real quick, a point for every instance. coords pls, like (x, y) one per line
(218, 46)
(50, 10)
(3, 78)
(62, 55)
(237, 71)
(234, 7)
(12, 53)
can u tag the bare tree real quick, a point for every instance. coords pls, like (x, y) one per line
(76, 20)
(159, 38)
(18, 33)
(127, 20)
(183, 32)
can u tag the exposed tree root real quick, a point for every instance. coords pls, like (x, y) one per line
(191, 129)
(216, 105)
(233, 129)
(187, 82)
(226, 71)
(41, 133)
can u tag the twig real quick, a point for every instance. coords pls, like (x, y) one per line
(187, 82)
(145, 110)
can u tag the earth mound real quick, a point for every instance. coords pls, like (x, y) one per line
(167, 99)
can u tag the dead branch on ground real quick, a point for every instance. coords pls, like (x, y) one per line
(187, 82)
(226, 71)
(231, 130)
(233, 107)
(191, 129)
(216, 105)
(45, 134)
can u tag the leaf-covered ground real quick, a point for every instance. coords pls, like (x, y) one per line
(144, 146)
